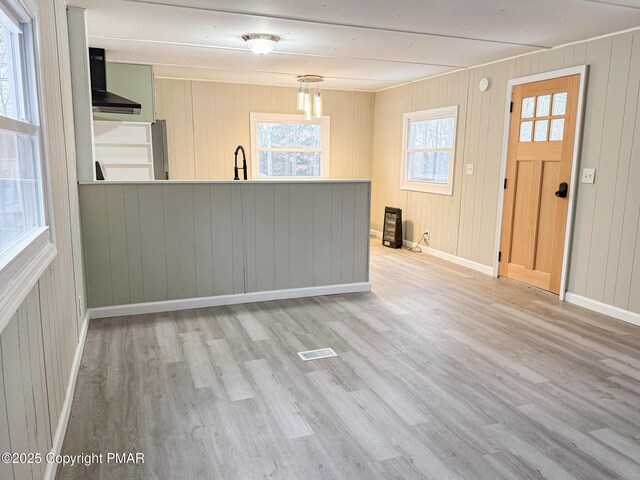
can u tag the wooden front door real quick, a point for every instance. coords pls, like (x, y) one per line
(541, 140)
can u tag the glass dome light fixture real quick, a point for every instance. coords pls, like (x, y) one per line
(305, 101)
(261, 43)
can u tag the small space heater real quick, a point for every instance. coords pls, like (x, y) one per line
(392, 234)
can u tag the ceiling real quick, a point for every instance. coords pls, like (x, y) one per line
(355, 44)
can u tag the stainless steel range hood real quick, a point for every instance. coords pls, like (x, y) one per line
(102, 100)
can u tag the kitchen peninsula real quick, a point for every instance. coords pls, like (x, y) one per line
(169, 245)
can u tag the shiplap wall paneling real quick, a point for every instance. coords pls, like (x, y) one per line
(179, 234)
(95, 237)
(336, 233)
(197, 240)
(207, 120)
(248, 234)
(238, 239)
(16, 402)
(612, 167)
(626, 204)
(362, 222)
(6, 469)
(153, 241)
(25, 400)
(322, 197)
(265, 237)
(117, 239)
(282, 206)
(605, 256)
(203, 240)
(225, 251)
(132, 227)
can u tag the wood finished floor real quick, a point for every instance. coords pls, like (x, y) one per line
(442, 373)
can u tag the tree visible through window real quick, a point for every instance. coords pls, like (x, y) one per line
(429, 146)
(289, 146)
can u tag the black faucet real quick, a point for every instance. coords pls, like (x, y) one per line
(244, 162)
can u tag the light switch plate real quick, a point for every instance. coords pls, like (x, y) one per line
(588, 175)
(469, 168)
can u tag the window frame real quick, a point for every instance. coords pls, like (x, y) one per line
(423, 115)
(23, 262)
(324, 121)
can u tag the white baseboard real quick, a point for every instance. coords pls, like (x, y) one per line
(478, 267)
(200, 302)
(615, 312)
(63, 420)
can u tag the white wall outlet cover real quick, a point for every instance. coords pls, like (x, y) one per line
(484, 84)
(469, 168)
(588, 175)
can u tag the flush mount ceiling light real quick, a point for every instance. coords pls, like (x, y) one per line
(261, 43)
(304, 96)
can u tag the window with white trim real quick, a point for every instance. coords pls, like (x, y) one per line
(428, 155)
(288, 146)
(23, 217)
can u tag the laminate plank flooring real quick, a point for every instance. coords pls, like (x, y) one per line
(442, 373)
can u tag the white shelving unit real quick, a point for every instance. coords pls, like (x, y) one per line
(124, 149)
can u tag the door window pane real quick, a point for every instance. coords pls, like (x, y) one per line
(544, 104)
(542, 127)
(527, 107)
(432, 134)
(560, 103)
(428, 167)
(526, 131)
(557, 129)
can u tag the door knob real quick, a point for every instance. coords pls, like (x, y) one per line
(562, 190)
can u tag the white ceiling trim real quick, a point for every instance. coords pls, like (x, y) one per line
(577, 42)
(278, 85)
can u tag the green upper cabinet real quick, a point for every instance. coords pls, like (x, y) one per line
(134, 82)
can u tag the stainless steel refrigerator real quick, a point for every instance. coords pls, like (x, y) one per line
(160, 156)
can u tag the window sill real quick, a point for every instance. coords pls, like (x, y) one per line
(32, 257)
(434, 188)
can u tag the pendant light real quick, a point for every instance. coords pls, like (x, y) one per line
(317, 104)
(310, 103)
(307, 104)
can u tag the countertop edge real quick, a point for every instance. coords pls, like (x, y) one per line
(232, 182)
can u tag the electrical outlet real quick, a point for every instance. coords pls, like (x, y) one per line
(469, 168)
(588, 175)
(426, 234)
